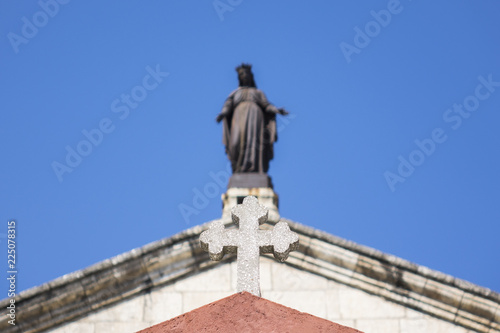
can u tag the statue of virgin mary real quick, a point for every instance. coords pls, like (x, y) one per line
(249, 125)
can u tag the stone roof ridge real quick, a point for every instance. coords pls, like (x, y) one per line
(296, 226)
(118, 259)
(395, 261)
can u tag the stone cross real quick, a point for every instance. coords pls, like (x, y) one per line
(249, 241)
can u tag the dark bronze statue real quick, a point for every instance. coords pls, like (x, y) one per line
(249, 125)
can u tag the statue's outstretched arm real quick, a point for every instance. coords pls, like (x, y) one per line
(268, 107)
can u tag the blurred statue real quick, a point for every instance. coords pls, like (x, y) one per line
(249, 125)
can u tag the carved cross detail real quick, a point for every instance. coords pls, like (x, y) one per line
(249, 241)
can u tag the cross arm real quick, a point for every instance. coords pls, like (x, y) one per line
(217, 241)
(280, 241)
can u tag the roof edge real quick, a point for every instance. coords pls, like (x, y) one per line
(396, 261)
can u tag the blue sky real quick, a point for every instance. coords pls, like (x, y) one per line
(108, 124)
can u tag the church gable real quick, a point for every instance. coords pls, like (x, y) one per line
(280, 283)
(327, 277)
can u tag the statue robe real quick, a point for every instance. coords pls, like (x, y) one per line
(249, 130)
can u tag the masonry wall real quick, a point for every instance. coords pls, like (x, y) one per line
(280, 283)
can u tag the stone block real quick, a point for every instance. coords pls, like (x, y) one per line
(75, 327)
(413, 282)
(355, 304)
(333, 305)
(160, 306)
(379, 325)
(288, 278)
(333, 254)
(414, 314)
(265, 195)
(346, 322)
(121, 327)
(447, 294)
(429, 324)
(129, 310)
(217, 279)
(477, 306)
(496, 321)
(372, 268)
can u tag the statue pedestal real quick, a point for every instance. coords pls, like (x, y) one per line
(250, 180)
(235, 196)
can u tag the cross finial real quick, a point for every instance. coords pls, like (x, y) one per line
(249, 241)
(250, 209)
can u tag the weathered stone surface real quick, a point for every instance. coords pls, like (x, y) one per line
(130, 311)
(212, 280)
(369, 305)
(79, 327)
(425, 325)
(332, 303)
(119, 327)
(382, 325)
(162, 304)
(286, 278)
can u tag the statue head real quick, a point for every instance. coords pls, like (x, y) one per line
(245, 75)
